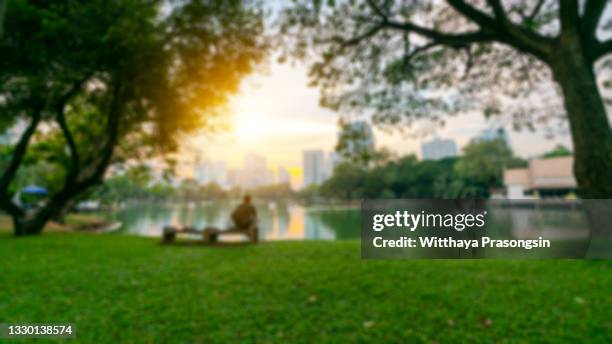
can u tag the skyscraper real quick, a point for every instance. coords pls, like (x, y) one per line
(203, 171)
(490, 134)
(333, 159)
(206, 172)
(220, 173)
(356, 138)
(313, 165)
(234, 178)
(438, 148)
(256, 172)
(283, 175)
(253, 161)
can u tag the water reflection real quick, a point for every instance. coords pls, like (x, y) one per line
(277, 221)
(289, 221)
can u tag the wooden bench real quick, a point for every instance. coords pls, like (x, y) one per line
(210, 234)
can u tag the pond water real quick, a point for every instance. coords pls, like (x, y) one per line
(277, 220)
(289, 221)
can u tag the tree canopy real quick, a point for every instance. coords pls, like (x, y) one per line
(399, 62)
(97, 82)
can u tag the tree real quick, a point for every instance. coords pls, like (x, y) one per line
(483, 163)
(355, 142)
(272, 191)
(408, 177)
(114, 81)
(346, 182)
(558, 151)
(402, 61)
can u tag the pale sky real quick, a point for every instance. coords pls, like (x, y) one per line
(277, 115)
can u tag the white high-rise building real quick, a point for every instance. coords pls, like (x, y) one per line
(358, 138)
(203, 172)
(220, 173)
(256, 172)
(313, 165)
(490, 134)
(438, 148)
(283, 176)
(253, 161)
(206, 172)
(234, 178)
(333, 159)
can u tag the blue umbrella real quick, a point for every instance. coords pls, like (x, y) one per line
(34, 190)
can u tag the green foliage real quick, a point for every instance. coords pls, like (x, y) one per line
(346, 182)
(558, 151)
(365, 60)
(126, 289)
(484, 162)
(354, 143)
(310, 192)
(134, 183)
(404, 178)
(176, 69)
(128, 187)
(118, 81)
(138, 183)
(471, 175)
(401, 62)
(274, 191)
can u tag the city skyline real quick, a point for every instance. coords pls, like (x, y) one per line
(280, 122)
(316, 163)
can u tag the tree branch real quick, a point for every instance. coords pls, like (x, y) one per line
(60, 117)
(71, 188)
(112, 130)
(19, 153)
(593, 10)
(456, 40)
(491, 29)
(17, 158)
(408, 57)
(498, 10)
(601, 48)
(376, 9)
(357, 39)
(519, 37)
(568, 13)
(472, 13)
(535, 11)
(10, 207)
(451, 39)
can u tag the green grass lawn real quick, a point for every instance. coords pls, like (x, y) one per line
(118, 288)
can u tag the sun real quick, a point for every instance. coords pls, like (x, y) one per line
(248, 124)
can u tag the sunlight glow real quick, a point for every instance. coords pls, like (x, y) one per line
(248, 124)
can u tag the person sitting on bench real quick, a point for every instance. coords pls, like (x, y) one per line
(245, 215)
(245, 222)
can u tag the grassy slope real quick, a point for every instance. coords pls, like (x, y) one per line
(126, 289)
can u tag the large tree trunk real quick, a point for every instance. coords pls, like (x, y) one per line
(28, 224)
(589, 125)
(33, 223)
